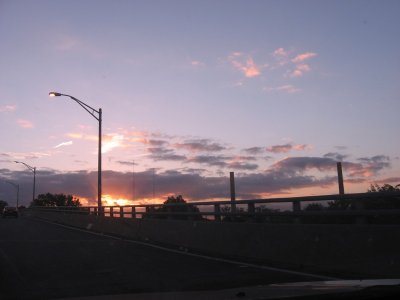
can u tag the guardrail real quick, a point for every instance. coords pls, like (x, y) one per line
(252, 210)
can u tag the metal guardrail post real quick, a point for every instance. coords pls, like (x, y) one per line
(296, 205)
(359, 205)
(121, 211)
(133, 213)
(169, 215)
(251, 209)
(217, 212)
(111, 212)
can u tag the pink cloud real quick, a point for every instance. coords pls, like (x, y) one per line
(302, 147)
(303, 56)
(24, 123)
(197, 63)
(288, 147)
(280, 148)
(80, 136)
(280, 52)
(8, 108)
(304, 67)
(69, 143)
(288, 88)
(300, 70)
(111, 141)
(248, 67)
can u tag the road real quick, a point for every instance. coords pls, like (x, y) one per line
(40, 260)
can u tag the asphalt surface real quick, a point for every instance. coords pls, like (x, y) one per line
(40, 260)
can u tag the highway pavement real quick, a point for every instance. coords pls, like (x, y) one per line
(41, 260)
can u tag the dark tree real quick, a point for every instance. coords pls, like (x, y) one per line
(56, 200)
(314, 207)
(3, 204)
(375, 188)
(386, 201)
(175, 205)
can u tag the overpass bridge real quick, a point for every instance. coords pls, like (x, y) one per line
(64, 253)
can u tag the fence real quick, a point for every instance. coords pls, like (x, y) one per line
(254, 210)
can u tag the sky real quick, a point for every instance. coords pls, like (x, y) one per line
(276, 91)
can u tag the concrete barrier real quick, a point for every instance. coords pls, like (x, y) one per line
(357, 251)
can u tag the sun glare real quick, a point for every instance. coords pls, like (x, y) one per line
(108, 200)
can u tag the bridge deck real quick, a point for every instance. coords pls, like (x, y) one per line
(42, 260)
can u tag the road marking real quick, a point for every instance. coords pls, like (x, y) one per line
(183, 252)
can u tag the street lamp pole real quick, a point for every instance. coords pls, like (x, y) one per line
(97, 114)
(33, 169)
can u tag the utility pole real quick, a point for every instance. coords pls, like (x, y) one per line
(233, 193)
(340, 178)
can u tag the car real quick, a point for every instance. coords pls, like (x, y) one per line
(10, 211)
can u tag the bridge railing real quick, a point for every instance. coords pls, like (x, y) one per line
(351, 208)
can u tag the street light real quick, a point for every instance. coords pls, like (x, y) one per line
(97, 114)
(17, 187)
(33, 169)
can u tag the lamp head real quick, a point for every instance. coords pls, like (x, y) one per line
(54, 94)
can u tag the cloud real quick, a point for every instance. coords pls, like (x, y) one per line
(244, 158)
(126, 163)
(280, 148)
(302, 147)
(63, 144)
(292, 165)
(287, 88)
(281, 57)
(389, 180)
(374, 159)
(211, 160)
(157, 142)
(303, 56)
(200, 145)
(254, 150)
(286, 175)
(280, 52)
(369, 167)
(193, 186)
(242, 166)
(300, 70)
(7, 108)
(152, 142)
(24, 155)
(111, 141)
(246, 65)
(287, 147)
(159, 150)
(197, 63)
(222, 161)
(163, 154)
(336, 156)
(24, 123)
(169, 157)
(81, 136)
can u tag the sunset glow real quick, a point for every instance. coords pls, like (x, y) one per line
(108, 200)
